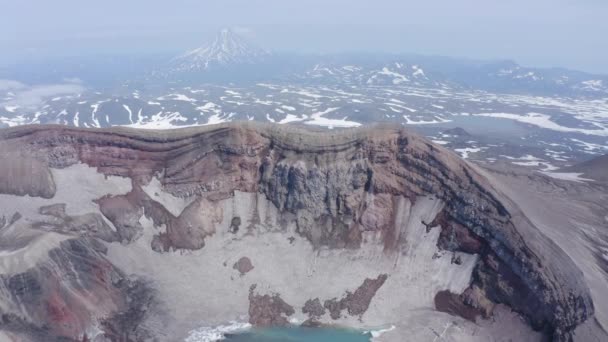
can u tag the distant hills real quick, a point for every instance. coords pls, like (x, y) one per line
(543, 118)
(230, 58)
(596, 168)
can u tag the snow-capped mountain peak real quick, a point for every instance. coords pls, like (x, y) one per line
(228, 48)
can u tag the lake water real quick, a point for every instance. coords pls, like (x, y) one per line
(300, 334)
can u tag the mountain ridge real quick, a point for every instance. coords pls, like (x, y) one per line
(595, 168)
(350, 190)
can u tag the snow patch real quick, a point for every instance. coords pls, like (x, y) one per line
(128, 111)
(544, 121)
(570, 176)
(317, 119)
(418, 72)
(379, 332)
(464, 152)
(408, 121)
(212, 334)
(217, 119)
(398, 78)
(292, 118)
(160, 120)
(176, 97)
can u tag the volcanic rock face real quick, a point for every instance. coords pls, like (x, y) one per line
(268, 310)
(56, 296)
(356, 303)
(200, 189)
(38, 183)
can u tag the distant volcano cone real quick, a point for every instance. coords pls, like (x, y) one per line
(228, 48)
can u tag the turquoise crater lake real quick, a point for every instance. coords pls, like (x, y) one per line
(299, 334)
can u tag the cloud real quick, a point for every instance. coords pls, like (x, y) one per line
(243, 31)
(25, 96)
(75, 80)
(10, 85)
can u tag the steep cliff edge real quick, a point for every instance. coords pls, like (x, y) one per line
(337, 188)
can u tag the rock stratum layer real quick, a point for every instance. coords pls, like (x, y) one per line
(344, 193)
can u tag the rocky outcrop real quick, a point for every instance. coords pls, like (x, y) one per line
(268, 310)
(125, 324)
(243, 265)
(594, 168)
(454, 304)
(185, 231)
(336, 187)
(355, 303)
(457, 131)
(21, 175)
(83, 225)
(51, 295)
(5, 223)
(313, 308)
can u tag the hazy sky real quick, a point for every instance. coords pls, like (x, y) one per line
(569, 33)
